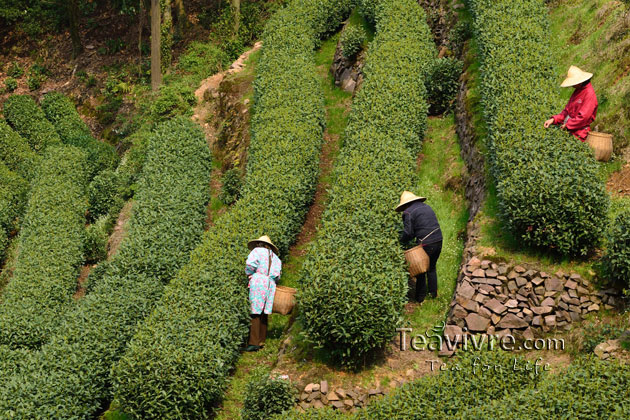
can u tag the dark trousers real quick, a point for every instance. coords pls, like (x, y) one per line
(430, 277)
(258, 329)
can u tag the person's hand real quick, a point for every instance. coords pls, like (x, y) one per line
(548, 123)
(564, 126)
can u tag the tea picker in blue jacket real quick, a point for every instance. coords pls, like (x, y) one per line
(420, 222)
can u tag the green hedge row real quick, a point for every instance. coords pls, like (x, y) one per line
(16, 153)
(617, 257)
(588, 389)
(549, 191)
(29, 121)
(473, 379)
(500, 388)
(69, 377)
(51, 250)
(354, 279)
(13, 189)
(60, 111)
(179, 362)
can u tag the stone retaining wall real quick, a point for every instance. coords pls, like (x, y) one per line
(318, 395)
(498, 299)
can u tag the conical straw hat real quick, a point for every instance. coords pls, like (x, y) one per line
(263, 239)
(575, 76)
(406, 198)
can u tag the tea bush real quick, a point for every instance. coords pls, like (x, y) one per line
(266, 396)
(60, 110)
(51, 251)
(588, 389)
(23, 114)
(69, 376)
(95, 240)
(352, 38)
(105, 195)
(354, 278)
(442, 83)
(13, 190)
(231, 186)
(179, 362)
(16, 153)
(482, 377)
(617, 257)
(548, 188)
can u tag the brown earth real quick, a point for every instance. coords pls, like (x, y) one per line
(315, 212)
(120, 229)
(619, 182)
(224, 114)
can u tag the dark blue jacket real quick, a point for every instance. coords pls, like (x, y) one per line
(419, 220)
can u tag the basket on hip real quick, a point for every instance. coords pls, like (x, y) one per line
(418, 260)
(602, 145)
(284, 300)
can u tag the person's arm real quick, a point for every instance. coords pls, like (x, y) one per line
(251, 265)
(584, 114)
(558, 118)
(276, 269)
(407, 233)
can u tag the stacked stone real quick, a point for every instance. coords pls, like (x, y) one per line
(317, 395)
(348, 73)
(497, 299)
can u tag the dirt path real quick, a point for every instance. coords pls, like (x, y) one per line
(209, 88)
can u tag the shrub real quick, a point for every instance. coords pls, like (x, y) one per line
(95, 240)
(29, 121)
(202, 59)
(352, 38)
(16, 153)
(51, 251)
(481, 378)
(173, 99)
(72, 130)
(104, 195)
(354, 279)
(617, 258)
(179, 362)
(588, 389)
(69, 376)
(15, 70)
(266, 396)
(231, 186)
(442, 83)
(548, 188)
(34, 81)
(10, 84)
(13, 190)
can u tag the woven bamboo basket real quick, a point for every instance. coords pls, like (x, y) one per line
(602, 145)
(418, 260)
(284, 300)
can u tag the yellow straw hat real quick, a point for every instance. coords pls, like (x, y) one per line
(406, 198)
(575, 76)
(264, 240)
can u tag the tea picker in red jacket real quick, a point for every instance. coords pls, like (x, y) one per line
(420, 223)
(581, 110)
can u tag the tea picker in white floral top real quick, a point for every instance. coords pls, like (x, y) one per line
(263, 268)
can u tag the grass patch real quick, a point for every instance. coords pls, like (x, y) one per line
(440, 179)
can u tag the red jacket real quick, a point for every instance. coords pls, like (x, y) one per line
(581, 110)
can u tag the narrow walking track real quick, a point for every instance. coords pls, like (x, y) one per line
(337, 104)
